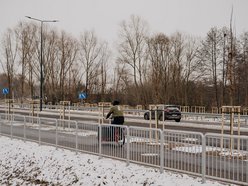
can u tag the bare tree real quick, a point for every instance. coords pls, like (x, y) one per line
(9, 51)
(176, 67)
(243, 68)
(25, 33)
(90, 56)
(52, 66)
(190, 66)
(66, 57)
(159, 52)
(210, 59)
(105, 55)
(133, 34)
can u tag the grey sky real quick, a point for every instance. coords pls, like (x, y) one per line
(194, 17)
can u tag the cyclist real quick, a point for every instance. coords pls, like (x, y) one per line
(117, 113)
(117, 118)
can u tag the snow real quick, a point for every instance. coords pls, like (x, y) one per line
(233, 154)
(27, 163)
(195, 149)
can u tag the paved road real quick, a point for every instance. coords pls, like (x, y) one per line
(135, 120)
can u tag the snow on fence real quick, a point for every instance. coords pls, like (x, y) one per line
(213, 156)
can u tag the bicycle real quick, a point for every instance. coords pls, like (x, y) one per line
(113, 133)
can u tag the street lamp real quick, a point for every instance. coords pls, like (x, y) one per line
(41, 54)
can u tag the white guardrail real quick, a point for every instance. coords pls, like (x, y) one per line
(215, 156)
(95, 111)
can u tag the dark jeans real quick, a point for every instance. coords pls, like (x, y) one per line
(119, 120)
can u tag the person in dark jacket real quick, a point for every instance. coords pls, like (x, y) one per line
(117, 113)
(117, 119)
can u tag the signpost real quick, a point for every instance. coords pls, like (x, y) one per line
(5, 92)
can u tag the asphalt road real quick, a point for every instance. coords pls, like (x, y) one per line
(184, 125)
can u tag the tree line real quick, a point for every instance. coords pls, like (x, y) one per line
(142, 68)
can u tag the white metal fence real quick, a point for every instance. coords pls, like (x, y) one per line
(145, 146)
(221, 157)
(184, 151)
(227, 157)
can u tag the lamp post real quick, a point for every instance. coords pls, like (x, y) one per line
(41, 54)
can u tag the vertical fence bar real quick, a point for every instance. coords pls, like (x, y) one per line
(165, 140)
(11, 126)
(208, 163)
(128, 146)
(39, 131)
(76, 137)
(24, 126)
(56, 134)
(176, 137)
(100, 140)
(203, 159)
(242, 171)
(225, 159)
(0, 124)
(246, 170)
(161, 151)
(246, 161)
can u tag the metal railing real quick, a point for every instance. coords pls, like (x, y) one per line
(145, 146)
(227, 157)
(215, 156)
(184, 151)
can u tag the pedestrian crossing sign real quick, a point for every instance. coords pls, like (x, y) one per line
(5, 91)
(82, 95)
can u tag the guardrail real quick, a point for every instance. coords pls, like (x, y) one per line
(215, 156)
(134, 112)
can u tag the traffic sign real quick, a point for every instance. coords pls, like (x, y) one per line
(82, 95)
(5, 91)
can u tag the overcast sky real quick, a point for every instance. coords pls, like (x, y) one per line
(194, 17)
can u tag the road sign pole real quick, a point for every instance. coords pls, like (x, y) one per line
(6, 105)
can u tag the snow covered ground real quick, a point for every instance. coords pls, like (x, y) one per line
(30, 164)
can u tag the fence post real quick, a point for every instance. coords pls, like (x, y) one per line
(0, 124)
(56, 134)
(76, 137)
(246, 162)
(24, 129)
(203, 158)
(100, 140)
(11, 126)
(128, 146)
(161, 151)
(39, 131)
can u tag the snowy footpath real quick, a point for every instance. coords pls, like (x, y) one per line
(30, 164)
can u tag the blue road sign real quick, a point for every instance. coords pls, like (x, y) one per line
(82, 95)
(5, 90)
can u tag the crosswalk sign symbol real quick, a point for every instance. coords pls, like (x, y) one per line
(82, 95)
(5, 90)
